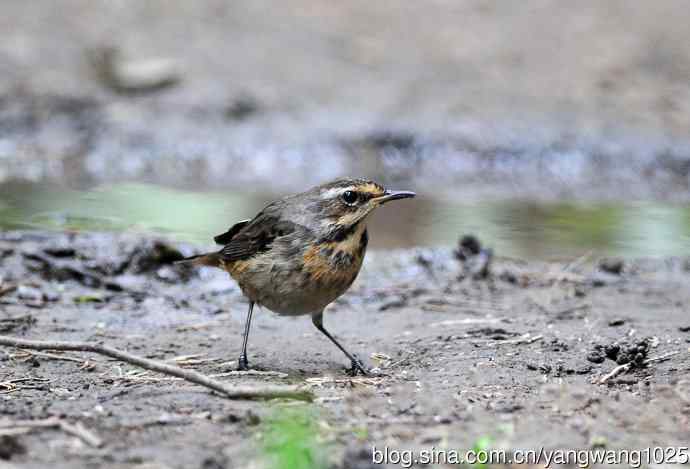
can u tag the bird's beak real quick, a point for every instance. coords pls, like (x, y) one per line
(393, 195)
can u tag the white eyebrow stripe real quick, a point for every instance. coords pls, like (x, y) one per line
(330, 193)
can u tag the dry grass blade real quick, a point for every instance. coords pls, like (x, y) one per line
(466, 321)
(354, 381)
(525, 339)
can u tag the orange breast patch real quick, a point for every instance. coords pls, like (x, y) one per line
(321, 264)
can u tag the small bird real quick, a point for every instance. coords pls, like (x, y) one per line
(301, 252)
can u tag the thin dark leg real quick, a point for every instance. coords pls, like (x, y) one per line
(356, 363)
(243, 363)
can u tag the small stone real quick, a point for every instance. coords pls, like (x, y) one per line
(394, 304)
(28, 293)
(612, 265)
(60, 251)
(214, 462)
(51, 295)
(134, 76)
(242, 107)
(10, 446)
(612, 351)
(596, 357)
(508, 276)
(616, 322)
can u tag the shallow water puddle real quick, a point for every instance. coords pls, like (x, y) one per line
(513, 228)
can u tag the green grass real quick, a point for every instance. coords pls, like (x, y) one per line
(482, 444)
(291, 440)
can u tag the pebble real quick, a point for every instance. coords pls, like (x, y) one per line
(596, 357)
(612, 265)
(28, 293)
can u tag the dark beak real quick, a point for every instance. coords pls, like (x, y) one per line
(394, 195)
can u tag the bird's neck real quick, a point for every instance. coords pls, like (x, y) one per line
(352, 242)
(340, 233)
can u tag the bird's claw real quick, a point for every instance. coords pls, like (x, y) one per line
(357, 366)
(243, 363)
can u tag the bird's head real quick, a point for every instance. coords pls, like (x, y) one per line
(342, 205)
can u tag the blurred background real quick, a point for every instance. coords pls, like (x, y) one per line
(547, 128)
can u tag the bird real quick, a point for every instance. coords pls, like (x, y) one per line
(301, 252)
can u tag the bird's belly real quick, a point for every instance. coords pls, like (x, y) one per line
(297, 303)
(296, 290)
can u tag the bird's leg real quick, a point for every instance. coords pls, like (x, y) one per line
(357, 365)
(243, 364)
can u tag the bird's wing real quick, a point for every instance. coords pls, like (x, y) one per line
(256, 236)
(232, 231)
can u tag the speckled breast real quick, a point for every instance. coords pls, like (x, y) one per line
(305, 281)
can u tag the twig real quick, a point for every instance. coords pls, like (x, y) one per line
(82, 433)
(454, 322)
(4, 290)
(196, 327)
(365, 381)
(184, 358)
(615, 372)
(53, 356)
(141, 377)
(232, 392)
(257, 373)
(77, 429)
(525, 339)
(625, 367)
(12, 384)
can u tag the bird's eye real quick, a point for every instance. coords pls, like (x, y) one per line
(350, 197)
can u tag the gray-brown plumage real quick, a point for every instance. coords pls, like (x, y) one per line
(301, 252)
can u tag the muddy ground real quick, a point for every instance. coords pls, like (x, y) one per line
(514, 356)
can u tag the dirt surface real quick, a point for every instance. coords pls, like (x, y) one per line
(461, 100)
(462, 351)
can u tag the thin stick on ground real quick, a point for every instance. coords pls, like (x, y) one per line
(52, 356)
(5, 289)
(232, 392)
(626, 367)
(76, 429)
(15, 384)
(525, 339)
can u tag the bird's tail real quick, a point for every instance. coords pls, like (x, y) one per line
(211, 259)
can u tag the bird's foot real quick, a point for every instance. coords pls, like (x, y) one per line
(243, 363)
(357, 367)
